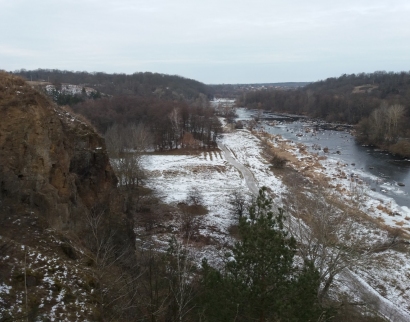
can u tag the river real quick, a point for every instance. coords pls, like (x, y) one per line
(382, 171)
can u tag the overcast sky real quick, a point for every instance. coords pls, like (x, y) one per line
(213, 41)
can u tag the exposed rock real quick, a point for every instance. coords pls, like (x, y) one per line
(49, 160)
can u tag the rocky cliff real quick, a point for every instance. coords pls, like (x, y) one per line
(50, 161)
(63, 236)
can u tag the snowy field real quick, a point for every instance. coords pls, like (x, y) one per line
(173, 176)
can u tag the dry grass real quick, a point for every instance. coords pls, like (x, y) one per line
(401, 148)
(234, 231)
(385, 209)
(196, 210)
(15, 92)
(79, 117)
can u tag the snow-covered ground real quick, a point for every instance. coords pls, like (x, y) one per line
(70, 89)
(247, 150)
(56, 280)
(172, 177)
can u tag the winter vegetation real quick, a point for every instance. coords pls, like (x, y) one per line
(194, 218)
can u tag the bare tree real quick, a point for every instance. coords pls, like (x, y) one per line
(175, 120)
(394, 114)
(129, 169)
(357, 193)
(154, 297)
(189, 222)
(113, 140)
(137, 137)
(126, 147)
(324, 233)
(384, 123)
(180, 277)
(116, 288)
(240, 203)
(377, 123)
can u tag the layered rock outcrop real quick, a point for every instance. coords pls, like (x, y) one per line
(50, 161)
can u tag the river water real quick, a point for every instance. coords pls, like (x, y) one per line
(382, 171)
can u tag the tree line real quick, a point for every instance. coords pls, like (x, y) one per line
(352, 99)
(142, 84)
(172, 124)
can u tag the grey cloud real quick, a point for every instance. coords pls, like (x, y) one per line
(212, 41)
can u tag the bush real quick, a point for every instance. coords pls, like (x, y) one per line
(278, 161)
(401, 148)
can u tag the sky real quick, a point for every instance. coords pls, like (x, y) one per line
(212, 41)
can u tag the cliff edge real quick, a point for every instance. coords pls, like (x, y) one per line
(50, 160)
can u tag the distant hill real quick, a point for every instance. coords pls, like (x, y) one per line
(137, 84)
(380, 84)
(235, 90)
(346, 99)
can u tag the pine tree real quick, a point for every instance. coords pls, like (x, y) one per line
(260, 281)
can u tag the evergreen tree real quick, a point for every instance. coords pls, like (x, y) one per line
(260, 281)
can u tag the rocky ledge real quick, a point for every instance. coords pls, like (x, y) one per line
(50, 160)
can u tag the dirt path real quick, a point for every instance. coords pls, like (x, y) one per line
(246, 173)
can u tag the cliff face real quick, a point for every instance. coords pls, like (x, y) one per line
(50, 161)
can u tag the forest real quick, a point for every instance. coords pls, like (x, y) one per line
(377, 103)
(170, 123)
(174, 110)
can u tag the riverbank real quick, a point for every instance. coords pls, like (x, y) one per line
(352, 187)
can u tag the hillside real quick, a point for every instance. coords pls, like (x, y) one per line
(236, 90)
